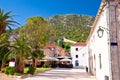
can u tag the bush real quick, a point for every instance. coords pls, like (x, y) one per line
(12, 71)
(46, 65)
(6, 70)
(9, 70)
(31, 70)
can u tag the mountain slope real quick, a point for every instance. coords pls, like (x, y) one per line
(72, 26)
(71, 20)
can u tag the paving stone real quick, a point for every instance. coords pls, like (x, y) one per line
(62, 74)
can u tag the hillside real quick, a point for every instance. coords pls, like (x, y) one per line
(72, 26)
(71, 20)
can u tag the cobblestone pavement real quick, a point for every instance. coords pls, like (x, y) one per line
(62, 74)
(6, 77)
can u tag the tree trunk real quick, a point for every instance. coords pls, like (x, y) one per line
(2, 28)
(20, 66)
(34, 62)
(2, 31)
(3, 66)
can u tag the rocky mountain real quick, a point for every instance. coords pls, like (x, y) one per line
(72, 26)
(71, 20)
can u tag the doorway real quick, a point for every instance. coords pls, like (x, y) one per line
(76, 63)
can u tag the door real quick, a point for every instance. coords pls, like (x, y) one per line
(76, 63)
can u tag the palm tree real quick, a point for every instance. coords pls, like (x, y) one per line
(21, 50)
(4, 49)
(6, 20)
(36, 54)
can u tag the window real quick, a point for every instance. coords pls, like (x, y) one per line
(76, 49)
(76, 56)
(100, 63)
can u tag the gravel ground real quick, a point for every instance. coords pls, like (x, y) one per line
(61, 74)
(6, 77)
(55, 74)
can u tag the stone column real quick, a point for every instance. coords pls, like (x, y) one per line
(114, 42)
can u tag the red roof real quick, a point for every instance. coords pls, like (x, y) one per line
(79, 44)
(50, 45)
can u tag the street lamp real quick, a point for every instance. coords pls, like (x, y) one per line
(101, 30)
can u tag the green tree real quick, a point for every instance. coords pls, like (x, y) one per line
(21, 49)
(36, 55)
(6, 20)
(38, 31)
(67, 46)
(4, 49)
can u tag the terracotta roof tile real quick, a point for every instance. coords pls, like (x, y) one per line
(79, 44)
(50, 45)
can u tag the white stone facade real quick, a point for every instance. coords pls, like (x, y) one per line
(104, 52)
(79, 55)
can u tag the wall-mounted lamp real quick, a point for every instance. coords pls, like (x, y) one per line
(100, 31)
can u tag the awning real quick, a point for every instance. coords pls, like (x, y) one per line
(66, 59)
(50, 58)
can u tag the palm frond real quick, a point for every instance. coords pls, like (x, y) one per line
(10, 28)
(6, 20)
(7, 15)
(6, 56)
(1, 12)
(12, 21)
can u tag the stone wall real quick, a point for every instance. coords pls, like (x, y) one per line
(114, 39)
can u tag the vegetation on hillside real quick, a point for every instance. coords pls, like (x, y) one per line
(73, 27)
(73, 33)
(71, 20)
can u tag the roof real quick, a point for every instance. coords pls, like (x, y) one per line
(79, 44)
(50, 45)
(103, 3)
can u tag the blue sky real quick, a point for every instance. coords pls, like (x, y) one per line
(24, 9)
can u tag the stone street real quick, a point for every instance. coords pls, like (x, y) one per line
(61, 74)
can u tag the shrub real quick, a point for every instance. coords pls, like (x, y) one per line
(9, 70)
(6, 70)
(46, 65)
(31, 70)
(12, 71)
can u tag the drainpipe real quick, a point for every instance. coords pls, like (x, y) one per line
(110, 55)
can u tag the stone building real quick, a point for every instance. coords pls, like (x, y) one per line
(78, 54)
(103, 43)
(52, 50)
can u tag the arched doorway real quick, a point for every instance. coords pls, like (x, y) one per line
(76, 63)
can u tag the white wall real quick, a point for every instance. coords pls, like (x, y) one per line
(100, 46)
(82, 55)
